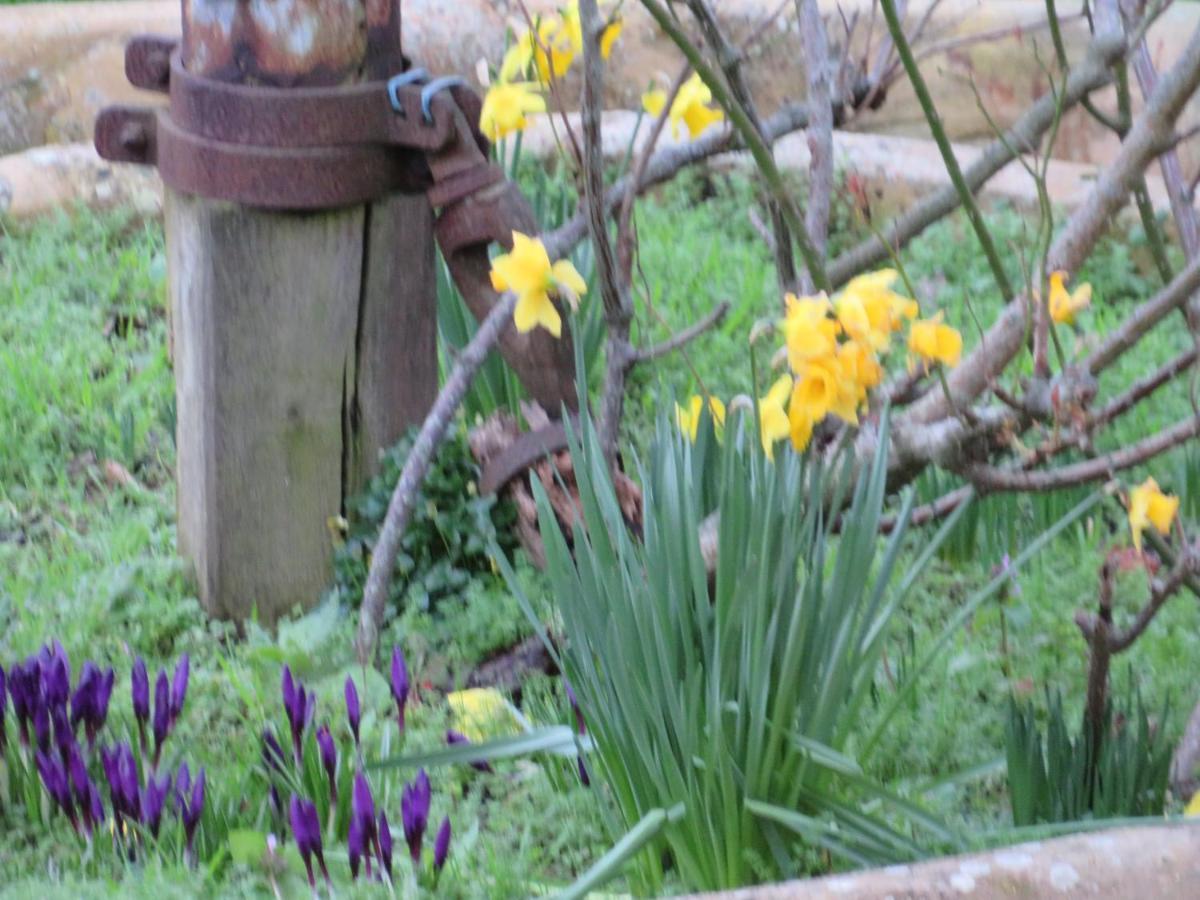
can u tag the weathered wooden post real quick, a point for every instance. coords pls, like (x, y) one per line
(303, 166)
(304, 341)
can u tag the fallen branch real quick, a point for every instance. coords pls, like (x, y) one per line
(685, 336)
(433, 431)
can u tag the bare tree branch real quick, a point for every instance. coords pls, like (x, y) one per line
(820, 117)
(685, 336)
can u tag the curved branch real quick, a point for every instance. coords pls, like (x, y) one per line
(993, 478)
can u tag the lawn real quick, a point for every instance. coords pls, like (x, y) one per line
(87, 557)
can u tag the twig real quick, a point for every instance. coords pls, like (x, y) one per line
(433, 431)
(1083, 229)
(614, 288)
(1091, 74)
(754, 142)
(820, 130)
(729, 58)
(993, 478)
(682, 338)
(1143, 388)
(965, 195)
(1145, 317)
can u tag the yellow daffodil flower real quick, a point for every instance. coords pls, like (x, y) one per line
(1149, 506)
(689, 418)
(860, 365)
(505, 107)
(1192, 810)
(528, 272)
(483, 714)
(1063, 303)
(773, 418)
(869, 310)
(550, 50)
(573, 28)
(691, 107)
(800, 423)
(817, 386)
(933, 341)
(807, 329)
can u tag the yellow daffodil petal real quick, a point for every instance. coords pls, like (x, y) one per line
(567, 276)
(689, 419)
(773, 418)
(505, 107)
(1065, 304)
(654, 100)
(1150, 507)
(609, 37)
(933, 341)
(536, 309)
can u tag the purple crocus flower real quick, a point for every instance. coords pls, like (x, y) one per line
(25, 688)
(457, 737)
(275, 763)
(139, 684)
(580, 725)
(441, 846)
(328, 753)
(41, 727)
(87, 798)
(399, 683)
(306, 828)
(385, 844)
(153, 799)
(363, 839)
(414, 813)
(162, 713)
(56, 675)
(64, 734)
(179, 687)
(299, 705)
(583, 772)
(120, 769)
(54, 778)
(3, 705)
(89, 703)
(353, 710)
(192, 807)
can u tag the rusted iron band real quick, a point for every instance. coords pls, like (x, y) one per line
(522, 453)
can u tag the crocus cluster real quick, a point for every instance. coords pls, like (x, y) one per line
(44, 704)
(50, 713)
(306, 828)
(370, 836)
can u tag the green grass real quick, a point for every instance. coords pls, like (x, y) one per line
(86, 386)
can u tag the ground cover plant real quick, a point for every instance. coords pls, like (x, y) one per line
(921, 667)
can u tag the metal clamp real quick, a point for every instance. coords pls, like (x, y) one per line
(404, 79)
(430, 90)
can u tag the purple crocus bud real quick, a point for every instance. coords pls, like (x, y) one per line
(385, 844)
(179, 687)
(153, 799)
(41, 727)
(414, 813)
(306, 828)
(328, 753)
(54, 778)
(3, 705)
(399, 683)
(362, 811)
(183, 784)
(355, 846)
(85, 690)
(272, 753)
(162, 713)
(87, 798)
(139, 683)
(441, 846)
(56, 676)
(580, 725)
(120, 770)
(288, 689)
(100, 701)
(583, 772)
(353, 710)
(457, 737)
(193, 809)
(64, 734)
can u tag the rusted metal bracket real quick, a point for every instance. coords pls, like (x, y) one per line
(303, 148)
(522, 453)
(312, 148)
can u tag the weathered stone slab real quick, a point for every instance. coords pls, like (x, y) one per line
(61, 176)
(1159, 861)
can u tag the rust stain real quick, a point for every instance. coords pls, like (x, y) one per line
(291, 43)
